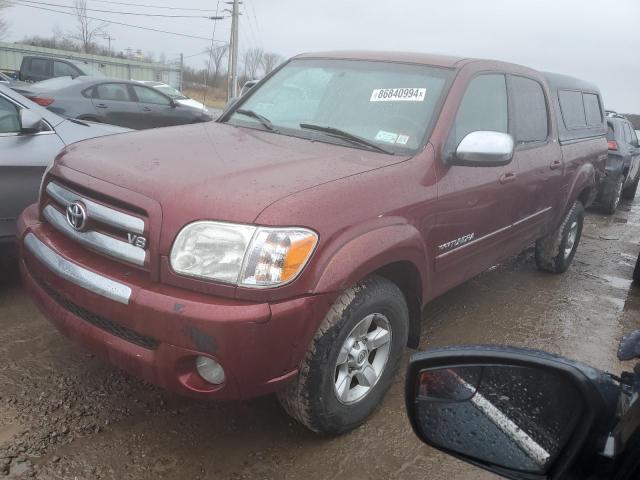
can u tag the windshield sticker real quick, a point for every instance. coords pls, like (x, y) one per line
(402, 139)
(387, 137)
(398, 95)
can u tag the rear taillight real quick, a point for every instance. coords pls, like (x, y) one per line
(613, 145)
(42, 101)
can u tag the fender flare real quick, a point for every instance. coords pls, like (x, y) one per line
(374, 250)
(585, 177)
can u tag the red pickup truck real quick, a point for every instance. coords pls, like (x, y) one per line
(291, 246)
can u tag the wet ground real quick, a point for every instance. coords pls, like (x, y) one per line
(67, 415)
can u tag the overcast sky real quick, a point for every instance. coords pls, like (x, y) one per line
(598, 40)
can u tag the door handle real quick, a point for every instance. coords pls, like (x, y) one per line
(555, 164)
(101, 105)
(147, 109)
(507, 177)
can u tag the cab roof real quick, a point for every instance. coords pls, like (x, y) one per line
(402, 57)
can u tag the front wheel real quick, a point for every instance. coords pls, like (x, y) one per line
(352, 359)
(555, 252)
(636, 271)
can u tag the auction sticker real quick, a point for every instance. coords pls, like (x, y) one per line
(398, 95)
(387, 137)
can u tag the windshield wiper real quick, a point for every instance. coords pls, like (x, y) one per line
(350, 137)
(261, 118)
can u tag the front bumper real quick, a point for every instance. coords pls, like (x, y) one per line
(155, 331)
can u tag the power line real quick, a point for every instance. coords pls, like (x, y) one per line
(117, 12)
(129, 4)
(117, 23)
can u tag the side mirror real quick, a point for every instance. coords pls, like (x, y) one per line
(30, 121)
(484, 149)
(518, 413)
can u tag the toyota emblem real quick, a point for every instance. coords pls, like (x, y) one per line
(76, 215)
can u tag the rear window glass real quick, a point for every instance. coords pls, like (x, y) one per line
(592, 109)
(572, 109)
(530, 107)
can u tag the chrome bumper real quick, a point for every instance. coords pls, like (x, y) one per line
(76, 274)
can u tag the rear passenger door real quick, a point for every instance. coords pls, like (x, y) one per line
(114, 105)
(538, 160)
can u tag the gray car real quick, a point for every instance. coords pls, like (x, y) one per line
(30, 138)
(109, 100)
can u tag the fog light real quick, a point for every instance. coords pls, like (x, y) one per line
(210, 370)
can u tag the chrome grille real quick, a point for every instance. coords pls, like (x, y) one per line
(98, 215)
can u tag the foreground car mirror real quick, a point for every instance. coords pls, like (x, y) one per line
(484, 149)
(518, 413)
(30, 122)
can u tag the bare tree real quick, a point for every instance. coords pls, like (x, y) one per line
(4, 27)
(87, 29)
(216, 56)
(270, 61)
(252, 62)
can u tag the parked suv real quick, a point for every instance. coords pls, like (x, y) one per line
(623, 165)
(36, 69)
(291, 246)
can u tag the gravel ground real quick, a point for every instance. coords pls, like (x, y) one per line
(67, 415)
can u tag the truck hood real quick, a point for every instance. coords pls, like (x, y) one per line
(216, 171)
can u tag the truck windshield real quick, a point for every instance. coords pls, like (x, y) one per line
(387, 104)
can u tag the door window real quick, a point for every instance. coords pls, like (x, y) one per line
(148, 95)
(62, 69)
(530, 110)
(9, 117)
(113, 91)
(483, 107)
(572, 108)
(39, 66)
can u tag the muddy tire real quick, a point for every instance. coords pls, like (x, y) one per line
(335, 390)
(636, 271)
(611, 201)
(629, 193)
(555, 252)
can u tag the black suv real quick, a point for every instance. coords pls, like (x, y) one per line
(623, 164)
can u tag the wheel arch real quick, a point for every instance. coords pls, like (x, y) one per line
(395, 252)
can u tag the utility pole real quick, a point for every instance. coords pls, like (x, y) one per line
(232, 90)
(181, 80)
(109, 38)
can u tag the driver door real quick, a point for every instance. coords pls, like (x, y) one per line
(474, 203)
(24, 159)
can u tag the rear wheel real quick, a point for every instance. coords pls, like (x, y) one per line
(629, 193)
(611, 201)
(636, 271)
(555, 252)
(352, 359)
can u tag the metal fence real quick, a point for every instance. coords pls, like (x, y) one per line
(11, 55)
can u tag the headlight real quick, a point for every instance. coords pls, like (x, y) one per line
(242, 254)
